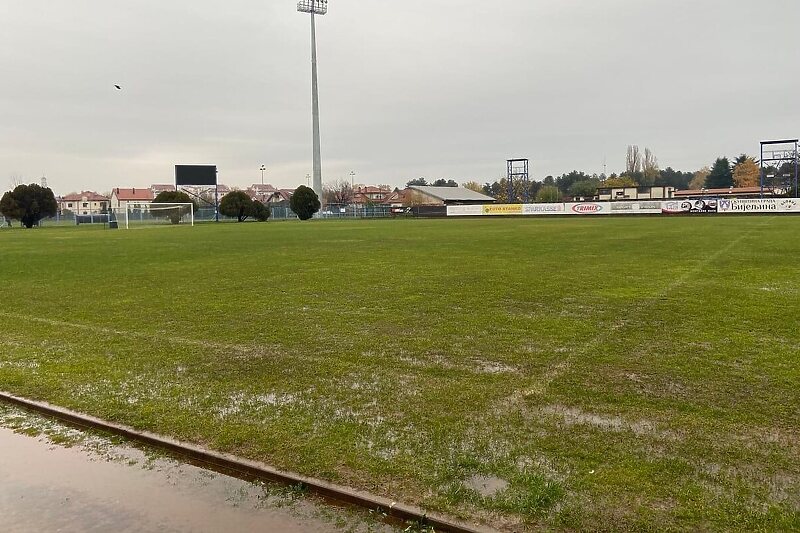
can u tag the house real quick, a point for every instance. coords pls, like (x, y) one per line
(366, 195)
(262, 188)
(131, 198)
(611, 194)
(84, 203)
(157, 189)
(264, 193)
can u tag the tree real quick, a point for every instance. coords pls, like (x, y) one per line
(721, 176)
(474, 186)
(699, 179)
(746, 172)
(633, 161)
(444, 183)
(650, 169)
(565, 181)
(584, 189)
(173, 197)
(304, 202)
(670, 177)
(418, 182)
(548, 195)
(339, 193)
(237, 204)
(261, 212)
(29, 204)
(619, 182)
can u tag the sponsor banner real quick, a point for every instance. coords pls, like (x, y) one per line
(759, 205)
(464, 210)
(653, 208)
(641, 207)
(676, 207)
(588, 208)
(502, 209)
(543, 209)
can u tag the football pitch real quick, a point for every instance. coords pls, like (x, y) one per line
(575, 373)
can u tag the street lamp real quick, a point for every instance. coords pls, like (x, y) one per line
(263, 169)
(315, 7)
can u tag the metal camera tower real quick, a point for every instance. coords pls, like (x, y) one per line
(315, 7)
(518, 171)
(779, 166)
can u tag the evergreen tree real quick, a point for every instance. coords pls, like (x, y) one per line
(236, 204)
(721, 175)
(304, 202)
(174, 197)
(29, 204)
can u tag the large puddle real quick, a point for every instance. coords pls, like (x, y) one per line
(64, 480)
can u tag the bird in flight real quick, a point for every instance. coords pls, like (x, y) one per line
(118, 87)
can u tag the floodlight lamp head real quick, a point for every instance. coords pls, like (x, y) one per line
(316, 7)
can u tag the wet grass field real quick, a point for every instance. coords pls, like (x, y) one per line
(576, 373)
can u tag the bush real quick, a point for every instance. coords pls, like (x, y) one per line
(236, 204)
(305, 202)
(261, 212)
(173, 197)
(29, 204)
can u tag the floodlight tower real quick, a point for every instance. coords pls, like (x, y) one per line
(315, 7)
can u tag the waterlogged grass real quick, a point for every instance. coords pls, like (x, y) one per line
(596, 373)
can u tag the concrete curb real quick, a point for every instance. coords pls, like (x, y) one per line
(250, 469)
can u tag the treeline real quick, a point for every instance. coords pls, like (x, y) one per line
(641, 170)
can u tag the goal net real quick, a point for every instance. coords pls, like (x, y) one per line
(143, 215)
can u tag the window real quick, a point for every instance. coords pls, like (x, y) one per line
(69, 205)
(85, 204)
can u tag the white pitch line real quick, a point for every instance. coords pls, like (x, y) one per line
(564, 365)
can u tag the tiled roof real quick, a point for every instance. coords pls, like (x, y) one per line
(85, 196)
(453, 194)
(143, 195)
(731, 191)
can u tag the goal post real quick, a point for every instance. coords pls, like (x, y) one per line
(154, 214)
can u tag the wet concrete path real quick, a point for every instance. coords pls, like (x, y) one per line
(64, 480)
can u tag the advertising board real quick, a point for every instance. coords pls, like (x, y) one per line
(679, 207)
(502, 209)
(759, 205)
(641, 207)
(464, 210)
(588, 208)
(543, 209)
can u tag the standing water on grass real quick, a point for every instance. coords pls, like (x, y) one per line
(54, 478)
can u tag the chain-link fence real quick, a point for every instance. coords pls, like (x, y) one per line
(142, 216)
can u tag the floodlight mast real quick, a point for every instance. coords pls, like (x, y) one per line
(315, 7)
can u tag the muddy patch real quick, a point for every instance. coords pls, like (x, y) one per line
(572, 416)
(486, 486)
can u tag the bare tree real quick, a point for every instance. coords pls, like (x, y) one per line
(339, 192)
(15, 180)
(633, 163)
(651, 170)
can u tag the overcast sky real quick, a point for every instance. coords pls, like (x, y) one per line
(445, 88)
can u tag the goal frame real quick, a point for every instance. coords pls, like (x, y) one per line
(160, 207)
